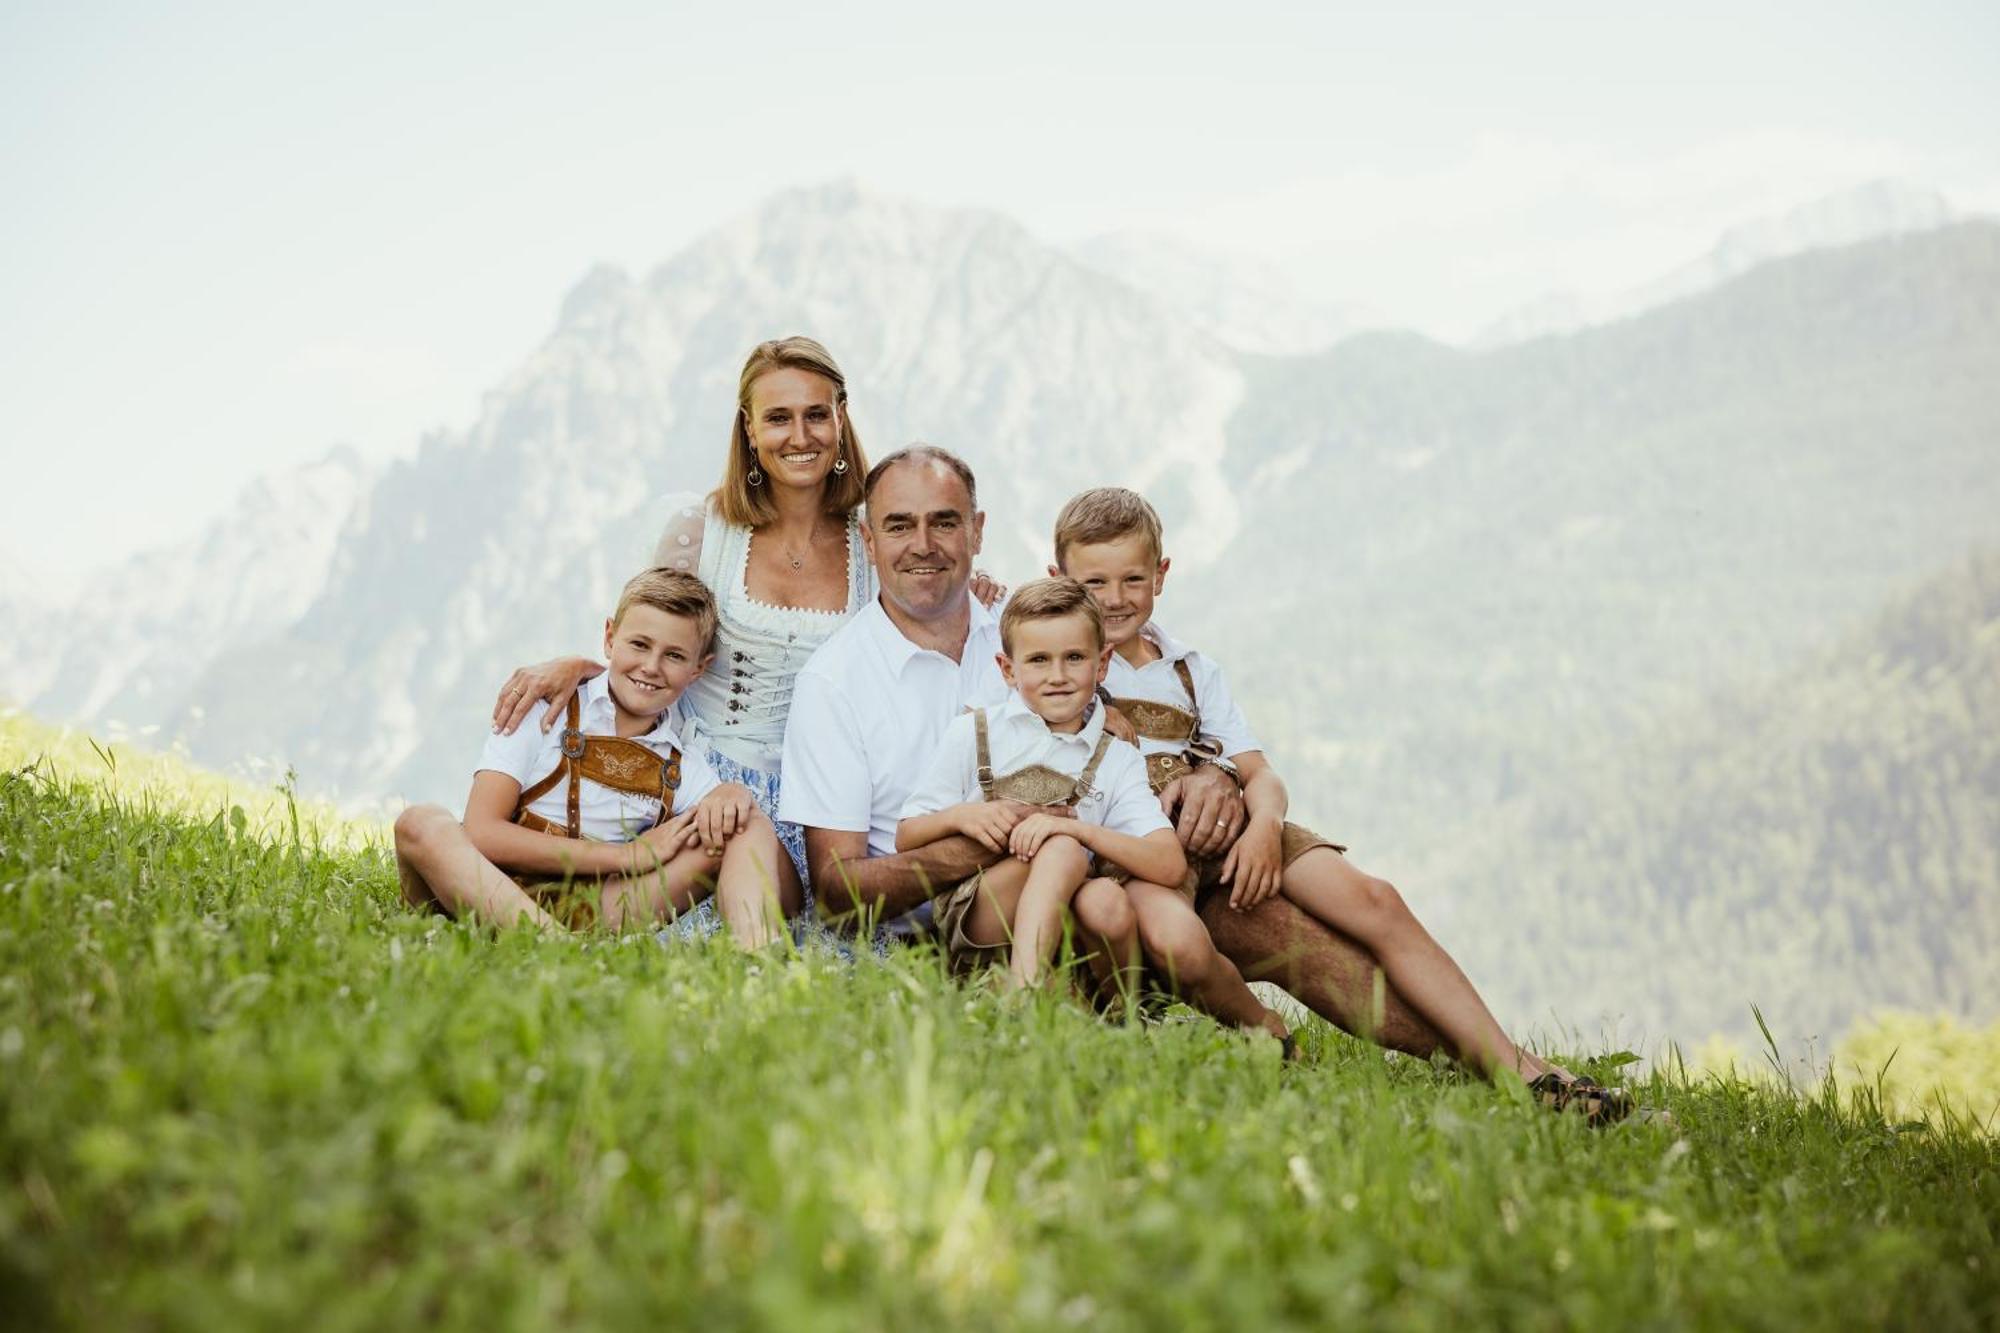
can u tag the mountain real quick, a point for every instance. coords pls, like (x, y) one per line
(1822, 846)
(1880, 208)
(1481, 561)
(506, 542)
(1244, 305)
(1446, 583)
(130, 643)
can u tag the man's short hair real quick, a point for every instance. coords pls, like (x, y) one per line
(1107, 514)
(922, 453)
(675, 592)
(1049, 599)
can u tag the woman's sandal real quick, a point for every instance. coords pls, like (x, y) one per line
(1597, 1104)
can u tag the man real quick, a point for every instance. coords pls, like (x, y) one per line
(867, 713)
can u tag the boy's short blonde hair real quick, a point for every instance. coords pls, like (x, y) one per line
(1049, 599)
(674, 592)
(1106, 515)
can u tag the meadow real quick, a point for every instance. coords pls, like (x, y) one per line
(241, 1087)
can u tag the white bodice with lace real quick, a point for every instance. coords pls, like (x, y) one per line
(739, 704)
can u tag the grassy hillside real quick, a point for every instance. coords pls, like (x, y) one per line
(240, 1088)
(1822, 847)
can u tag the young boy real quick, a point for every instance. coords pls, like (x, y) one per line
(1046, 746)
(606, 818)
(1110, 540)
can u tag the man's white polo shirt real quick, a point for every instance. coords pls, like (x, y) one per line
(606, 814)
(1120, 798)
(868, 710)
(1221, 719)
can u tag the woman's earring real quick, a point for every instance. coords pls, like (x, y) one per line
(840, 463)
(756, 477)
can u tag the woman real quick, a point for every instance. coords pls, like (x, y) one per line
(779, 544)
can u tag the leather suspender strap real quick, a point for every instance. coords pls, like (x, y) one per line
(1187, 683)
(1200, 747)
(567, 765)
(573, 746)
(1083, 780)
(985, 754)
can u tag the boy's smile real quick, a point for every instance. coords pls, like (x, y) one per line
(652, 657)
(1056, 665)
(1123, 577)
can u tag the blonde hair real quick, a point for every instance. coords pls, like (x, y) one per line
(1049, 599)
(674, 592)
(1106, 515)
(750, 506)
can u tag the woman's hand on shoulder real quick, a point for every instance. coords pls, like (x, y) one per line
(555, 680)
(989, 590)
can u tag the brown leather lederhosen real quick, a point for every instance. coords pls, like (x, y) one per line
(1036, 784)
(610, 761)
(1156, 721)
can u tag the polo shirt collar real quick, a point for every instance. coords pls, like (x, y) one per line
(1171, 649)
(598, 715)
(898, 649)
(1017, 707)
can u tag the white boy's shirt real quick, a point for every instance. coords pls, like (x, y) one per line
(868, 709)
(1158, 681)
(1121, 799)
(605, 813)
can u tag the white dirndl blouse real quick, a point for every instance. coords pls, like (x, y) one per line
(738, 707)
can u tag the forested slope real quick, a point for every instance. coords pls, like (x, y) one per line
(1465, 567)
(1823, 847)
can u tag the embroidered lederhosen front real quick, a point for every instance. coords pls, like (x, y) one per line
(1156, 721)
(610, 761)
(1036, 784)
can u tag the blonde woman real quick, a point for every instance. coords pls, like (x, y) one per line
(779, 544)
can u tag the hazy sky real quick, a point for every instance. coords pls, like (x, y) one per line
(236, 235)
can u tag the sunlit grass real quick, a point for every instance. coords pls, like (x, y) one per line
(240, 1086)
(169, 783)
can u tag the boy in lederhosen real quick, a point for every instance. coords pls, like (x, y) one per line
(1110, 540)
(606, 820)
(1046, 746)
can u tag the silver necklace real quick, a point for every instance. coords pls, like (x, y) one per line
(798, 559)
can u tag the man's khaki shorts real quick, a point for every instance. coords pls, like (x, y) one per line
(1205, 872)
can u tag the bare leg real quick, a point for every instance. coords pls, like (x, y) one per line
(990, 922)
(633, 902)
(1054, 876)
(1330, 974)
(1178, 946)
(753, 897)
(1108, 928)
(1340, 895)
(438, 864)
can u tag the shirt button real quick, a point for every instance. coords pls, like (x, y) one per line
(683, 539)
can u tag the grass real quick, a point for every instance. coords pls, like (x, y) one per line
(240, 1087)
